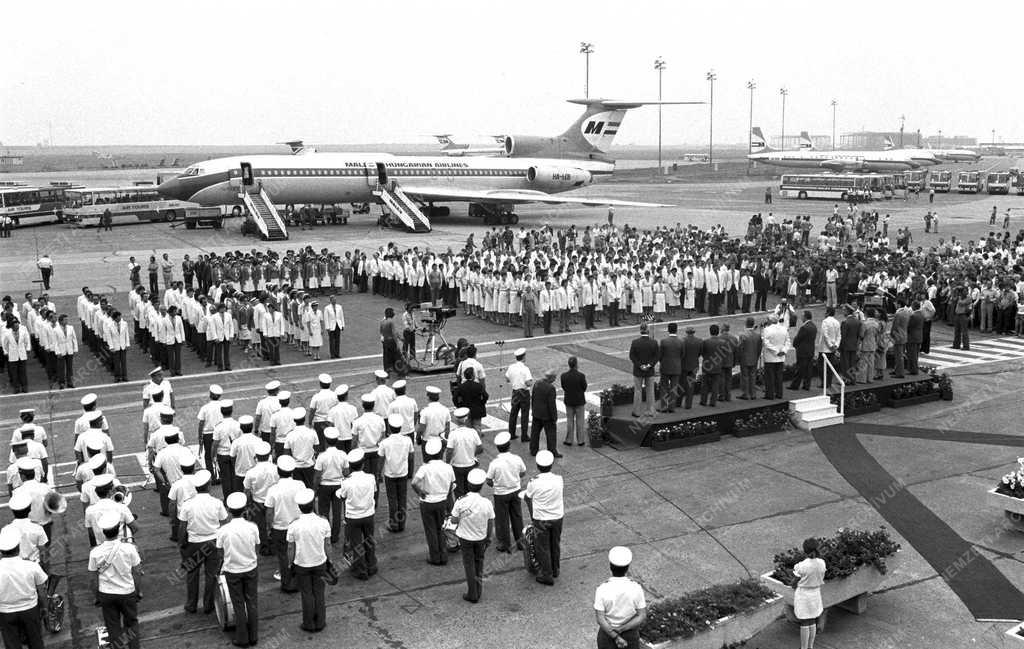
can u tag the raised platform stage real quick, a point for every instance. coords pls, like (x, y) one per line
(627, 431)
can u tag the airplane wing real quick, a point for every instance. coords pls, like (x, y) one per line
(515, 196)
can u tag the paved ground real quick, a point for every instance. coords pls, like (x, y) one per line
(694, 516)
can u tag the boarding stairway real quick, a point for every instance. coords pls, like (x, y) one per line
(264, 214)
(403, 207)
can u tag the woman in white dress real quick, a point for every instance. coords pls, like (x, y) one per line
(504, 290)
(315, 330)
(515, 298)
(689, 295)
(659, 298)
(807, 608)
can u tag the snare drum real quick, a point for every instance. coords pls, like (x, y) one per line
(222, 605)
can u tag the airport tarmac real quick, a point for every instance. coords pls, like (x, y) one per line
(693, 516)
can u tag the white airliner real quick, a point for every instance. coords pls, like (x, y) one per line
(945, 155)
(533, 170)
(451, 147)
(896, 160)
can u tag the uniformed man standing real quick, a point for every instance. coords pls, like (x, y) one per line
(505, 474)
(33, 538)
(395, 453)
(520, 380)
(367, 430)
(544, 498)
(180, 492)
(257, 482)
(359, 491)
(237, 540)
(330, 469)
(620, 605)
(307, 552)
(201, 516)
(117, 567)
(265, 409)
(243, 452)
(281, 511)
(22, 587)
(225, 433)
(341, 417)
(474, 516)
(301, 444)
(208, 417)
(36, 492)
(464, 446)
(319, 406)
(435, 420)
(433, 483)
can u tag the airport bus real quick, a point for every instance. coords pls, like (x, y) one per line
(880, 186)
(832, 186)
(998, 182)
(916, 179)
(27, 205)
(969, 182)
(940, 181)
(126, 204)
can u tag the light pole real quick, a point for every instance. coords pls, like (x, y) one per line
(903, 120)
(586, 49)
(750, 127)
(783, 92)
(940, 139)
(993, 137)
(659, 65)
(711, 76)
(834, 102)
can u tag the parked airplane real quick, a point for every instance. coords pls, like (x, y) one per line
(534, 170)
(945, 155)
(805, 142)
(898, 160)
(451, 147)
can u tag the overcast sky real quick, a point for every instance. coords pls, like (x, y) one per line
(191, 72)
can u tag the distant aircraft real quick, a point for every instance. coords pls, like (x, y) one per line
(107, 158)
(897, 160)
(534, 170)
(945, 155)
(805, 142)
(450, 147)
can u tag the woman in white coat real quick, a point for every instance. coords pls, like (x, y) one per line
(807, 608)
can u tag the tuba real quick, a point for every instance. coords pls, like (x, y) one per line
(121, 494)
(55, 503)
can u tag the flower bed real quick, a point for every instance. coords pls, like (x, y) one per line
(685, 433)
(711, 618)
(597, 432)
(760, 422)
(858, 403)
(855, 564)
(620, 395)
(1008, 495)
(911, 394)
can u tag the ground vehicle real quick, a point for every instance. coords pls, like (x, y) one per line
(879, 186)
(1018, 180)
(899, 179)
(126, 205)
(969, 182)
(831, 186)
(940, 181)
(203, 216)
(916, 179)
(998, 182)
(32, 204)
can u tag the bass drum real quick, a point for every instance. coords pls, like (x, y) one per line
(222, 605)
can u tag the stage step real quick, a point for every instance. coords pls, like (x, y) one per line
(808, 404)
(819, 421)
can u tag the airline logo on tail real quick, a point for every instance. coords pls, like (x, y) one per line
(600, 129)
(757, 142)
(805, 142)
(889, 144)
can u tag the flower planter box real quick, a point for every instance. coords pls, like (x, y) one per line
(1013, 636)
(914, 401)
(862, 410)
(1013, 508)
(596, 442)
(664, 445)
(849, 593)
(727, 631)
(752, 433)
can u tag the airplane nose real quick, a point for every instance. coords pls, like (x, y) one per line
(171, 188)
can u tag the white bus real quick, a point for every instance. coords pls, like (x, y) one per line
(832, 186)
(27, 205)
(126, 204)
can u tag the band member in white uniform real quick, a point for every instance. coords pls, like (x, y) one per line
(117, 566)
(619, 605)
(237, 540)
(308, 538)
(22, 587)
(474, 516)
(201, 516)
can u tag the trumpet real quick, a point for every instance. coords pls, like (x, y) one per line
(55, 503)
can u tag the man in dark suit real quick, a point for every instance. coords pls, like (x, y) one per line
(761, 285)
(574, 394)
(747, 355)
(691, 362)
(898, 335)
(803, 344)
(643, 353)
(671, 354)
(915, 336)
(849, 344)
(544, 413)
(730, 354)
(712, 354)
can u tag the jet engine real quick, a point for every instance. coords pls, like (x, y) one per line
(551, 178)
(524, 146)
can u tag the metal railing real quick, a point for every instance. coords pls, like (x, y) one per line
(826, 368)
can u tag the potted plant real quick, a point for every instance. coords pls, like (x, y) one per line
(859, 403)
(1008, 495)
(685, 433)
(912, 394)
(596, 430)
(761, 422)
(856, 562)
(943, 383)
(711, 618)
